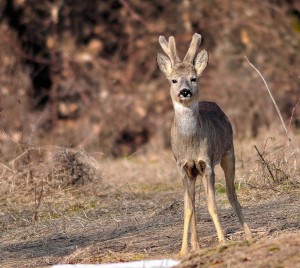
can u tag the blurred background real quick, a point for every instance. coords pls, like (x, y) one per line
(83, 73)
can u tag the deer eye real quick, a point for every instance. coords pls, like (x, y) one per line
(193, 79)
(174, 81)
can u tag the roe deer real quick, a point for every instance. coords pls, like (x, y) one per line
(201, 138)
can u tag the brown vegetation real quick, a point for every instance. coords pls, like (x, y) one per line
(91, 65)
(86, 175)
(135, 211)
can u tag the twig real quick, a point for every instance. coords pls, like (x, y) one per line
(26, 56)
(289, 129)
(37, 201)
(271, 96)
(134, 14)
(265, 163)
(14, 218)
(265, 145)
(7, 167)
(292, 115)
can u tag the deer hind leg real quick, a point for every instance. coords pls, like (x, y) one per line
(209, 185)
(228, 166)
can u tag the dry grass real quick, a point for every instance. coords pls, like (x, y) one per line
(73, 167)
(273, 168)
(35, 186)
(68, 206)
(53, 167)
(277, 168)
(279, 251)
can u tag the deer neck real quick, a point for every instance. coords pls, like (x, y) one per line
(186, 119)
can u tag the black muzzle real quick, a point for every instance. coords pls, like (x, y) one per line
(185, 93)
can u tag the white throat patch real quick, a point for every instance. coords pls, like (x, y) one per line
(186, 118)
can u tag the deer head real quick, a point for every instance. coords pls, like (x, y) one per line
(182, 75)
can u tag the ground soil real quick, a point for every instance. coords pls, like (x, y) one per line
(136, 212)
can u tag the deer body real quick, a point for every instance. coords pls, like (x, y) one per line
(201, 138)
(198, 133)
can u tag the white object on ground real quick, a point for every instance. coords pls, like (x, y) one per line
(164, 263)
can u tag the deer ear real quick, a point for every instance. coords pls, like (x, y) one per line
(201, 61)
(164, 64)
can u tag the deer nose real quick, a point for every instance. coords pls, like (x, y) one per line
(185, 93)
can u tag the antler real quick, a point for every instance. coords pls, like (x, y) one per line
(190, 55)
(169, 48)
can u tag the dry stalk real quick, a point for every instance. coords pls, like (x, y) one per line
(37, 201)
(265, 163)
(292, 114)
(27, 146)
(272, 98)
(289, 130)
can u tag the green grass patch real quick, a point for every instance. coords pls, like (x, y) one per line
(220, 188)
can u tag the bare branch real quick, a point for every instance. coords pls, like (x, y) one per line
(292, 115)
(271, 96)
(265, 163)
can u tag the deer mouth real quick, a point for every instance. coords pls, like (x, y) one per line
(185, 94)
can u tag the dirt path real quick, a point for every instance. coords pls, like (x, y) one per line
(135, 225)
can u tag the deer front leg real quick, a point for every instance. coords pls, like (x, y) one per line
(190, 169)
(188, 210)
(194, 235)
(199, 169)
(189, 181)
(209, 186)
